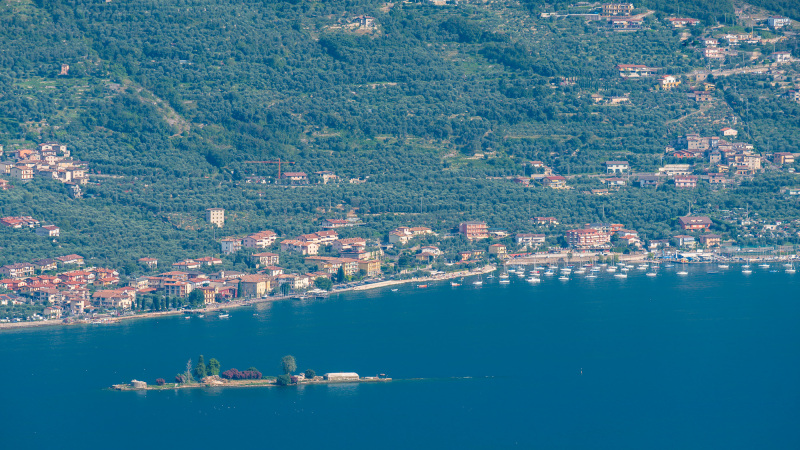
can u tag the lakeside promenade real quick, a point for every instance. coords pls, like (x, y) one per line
(248, 302)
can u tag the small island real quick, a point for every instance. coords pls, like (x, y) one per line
(208, 375)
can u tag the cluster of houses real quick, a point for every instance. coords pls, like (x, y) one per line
(69, 290)
(49, 160)
(85, 289)
(298, 178)
(30, 222)
(592, 236)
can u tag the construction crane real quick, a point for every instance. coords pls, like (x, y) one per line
(279, 162)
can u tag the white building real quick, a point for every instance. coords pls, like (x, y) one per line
(781, 56)
(778, 21)
(617, 166)
(341, 376)
(230, 245)
(216, 216)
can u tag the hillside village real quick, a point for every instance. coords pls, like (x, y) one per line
(66, 287)
(335, 252)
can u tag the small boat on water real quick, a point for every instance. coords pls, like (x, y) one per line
(563, 278)
(683, 272)
(620, 275)
(747, 271)
(580, 272)
(505, 281)
(643, 267)
(224, 315)
(477, 283)
(788, 265)
(611, 269)
(395, 290)
(454, 284)
(187, 317)
(549, 273)
(201, 315)
(722, 266)
(422, 286)
(764, 266)
(790, 270)
(591, 276)
(651, 274)
(503, 276)
(669, 265)
(533, 280)
(521, 273)
(490, 277)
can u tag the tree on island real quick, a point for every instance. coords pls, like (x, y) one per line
(188, 373)
(283, 380)
(200, 369)
(213, 367)
(310, 374)
(160, 381)
(288, 364)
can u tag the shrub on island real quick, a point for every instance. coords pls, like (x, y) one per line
(160, 381)
(235, 374)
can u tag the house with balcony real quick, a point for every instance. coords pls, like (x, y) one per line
(266, 258)
(554, 182)
(693, 223)
(474, 230)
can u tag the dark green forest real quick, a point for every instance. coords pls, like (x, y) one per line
(166, 101)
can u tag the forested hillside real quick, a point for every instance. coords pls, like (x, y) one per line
(166, 101)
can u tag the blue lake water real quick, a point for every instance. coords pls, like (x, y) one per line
(702, 361)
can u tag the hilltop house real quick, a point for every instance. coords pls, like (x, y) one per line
(269, 259)
(298, 246)
(686, 181)
(545, 220)
(617, 166)
(48, 231)
(529, 239)
(668, 82)
(680, 22)
(778, 21)
(779, 57)
(295, 177)
(783, 158)
(402, 235)
(555, 182)
(262, 239)
(694, 223)
(635, 70)
(617, 9)
(230, 245)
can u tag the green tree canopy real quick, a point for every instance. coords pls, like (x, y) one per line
(288, 364)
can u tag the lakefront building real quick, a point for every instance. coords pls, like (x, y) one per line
(588, 238)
